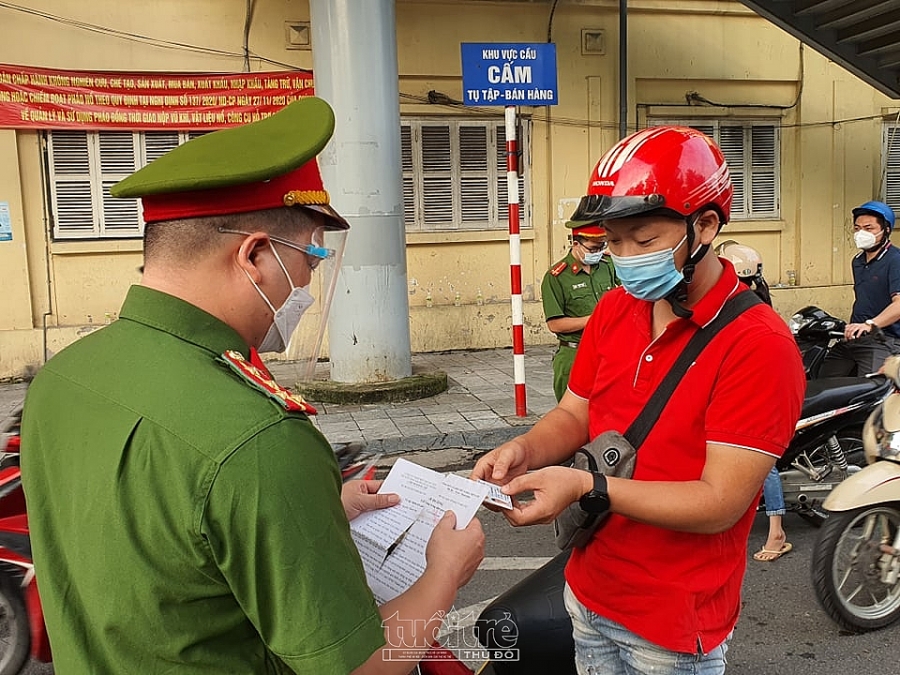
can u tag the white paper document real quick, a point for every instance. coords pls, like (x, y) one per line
(392, 541)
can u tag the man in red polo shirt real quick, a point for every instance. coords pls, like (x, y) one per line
(658, 588)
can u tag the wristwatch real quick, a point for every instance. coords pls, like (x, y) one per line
(597, 500)
(871, 323)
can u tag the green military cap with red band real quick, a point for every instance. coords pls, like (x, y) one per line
(263, 165)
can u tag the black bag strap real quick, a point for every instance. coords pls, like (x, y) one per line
(644, 422)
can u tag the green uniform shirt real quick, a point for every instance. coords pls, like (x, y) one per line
(575, 291)
(182, 521)
(572, 291)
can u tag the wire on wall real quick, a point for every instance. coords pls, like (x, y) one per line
(143, 39)
(248, 21)
(550, 21)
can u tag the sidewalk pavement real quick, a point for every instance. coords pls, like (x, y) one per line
(477, 412)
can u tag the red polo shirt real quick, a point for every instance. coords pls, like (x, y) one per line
(676, 589)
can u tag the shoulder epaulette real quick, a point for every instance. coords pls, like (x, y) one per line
(263, 382)
(557, 269)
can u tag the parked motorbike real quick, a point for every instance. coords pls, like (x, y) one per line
(856, 559)
(815, 331)
(827, 444)
(21, 618)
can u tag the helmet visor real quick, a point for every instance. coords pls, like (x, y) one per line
(594, 208)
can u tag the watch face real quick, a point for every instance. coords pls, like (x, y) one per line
(597, 500)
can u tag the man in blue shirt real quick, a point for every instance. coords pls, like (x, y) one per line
(876, 286)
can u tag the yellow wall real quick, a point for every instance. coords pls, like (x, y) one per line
(713, 47)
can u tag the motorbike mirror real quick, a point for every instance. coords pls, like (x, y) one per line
(891, 369)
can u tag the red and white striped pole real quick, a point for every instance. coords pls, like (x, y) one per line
(515, 261)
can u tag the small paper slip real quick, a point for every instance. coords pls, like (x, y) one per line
(495, 497)
(392, 541)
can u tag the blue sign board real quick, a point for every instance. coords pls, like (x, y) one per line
(498, 73)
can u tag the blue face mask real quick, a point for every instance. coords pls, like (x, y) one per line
(650, 276)
(593, 258)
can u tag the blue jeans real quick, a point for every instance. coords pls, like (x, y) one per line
(604, 647)
(773, 494)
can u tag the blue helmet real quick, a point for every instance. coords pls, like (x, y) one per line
(879, 209)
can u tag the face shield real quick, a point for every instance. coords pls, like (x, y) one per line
(305, 344)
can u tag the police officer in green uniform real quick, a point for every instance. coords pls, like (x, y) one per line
(570, 291)
(185, 514)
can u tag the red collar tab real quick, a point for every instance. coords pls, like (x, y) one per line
(260, 379)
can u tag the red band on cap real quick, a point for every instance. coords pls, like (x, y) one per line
(589, 231)
(300, 187)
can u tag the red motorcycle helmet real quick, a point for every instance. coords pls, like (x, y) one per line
(674, 169)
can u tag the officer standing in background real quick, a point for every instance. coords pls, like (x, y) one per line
(570, 291)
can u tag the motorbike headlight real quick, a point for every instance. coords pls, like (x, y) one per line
(881, 432)
(798, 322)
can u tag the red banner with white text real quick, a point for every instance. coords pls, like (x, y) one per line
(43, 98)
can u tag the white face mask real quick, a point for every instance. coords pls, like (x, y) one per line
(864, 240)
(287, 317)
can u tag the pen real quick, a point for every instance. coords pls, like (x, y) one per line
(393, 547)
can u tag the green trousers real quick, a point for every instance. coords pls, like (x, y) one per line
(562, 366)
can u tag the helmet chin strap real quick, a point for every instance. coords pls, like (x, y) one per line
(679, 294)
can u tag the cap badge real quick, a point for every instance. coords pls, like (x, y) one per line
(302, 197)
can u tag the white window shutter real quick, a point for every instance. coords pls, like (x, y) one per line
(731, 142)
(158, 143)
(475, 204)
(891, 188)
(118, 155)
(454, 174)
(409, 186)
(75, 209)
(70, 185)
(763, 167)
(437, 179)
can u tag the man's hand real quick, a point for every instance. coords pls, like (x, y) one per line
(554, 488)
(855, 330)
(502, 464)
(455, 554)
(359, 496)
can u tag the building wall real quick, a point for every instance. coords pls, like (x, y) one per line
(830, 146)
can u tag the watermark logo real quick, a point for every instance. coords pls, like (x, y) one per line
(457, 640)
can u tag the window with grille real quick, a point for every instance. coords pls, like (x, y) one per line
(751, 149)
(890, 188)
(83, 165)
(454, 175)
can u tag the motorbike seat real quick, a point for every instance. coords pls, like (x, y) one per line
(829, 393)
(531, 618)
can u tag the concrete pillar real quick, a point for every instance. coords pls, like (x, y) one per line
(355, 70)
